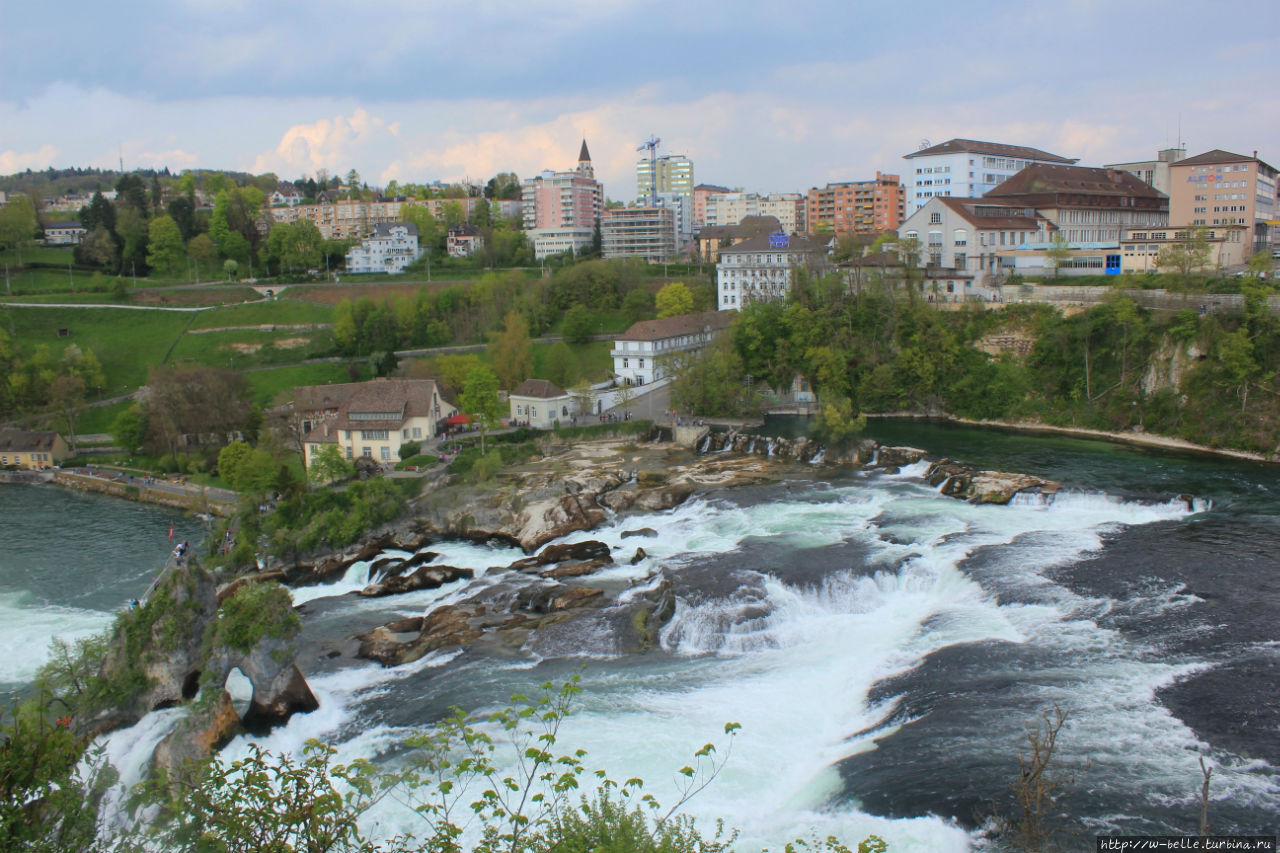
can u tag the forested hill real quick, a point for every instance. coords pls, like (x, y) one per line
(1207, 378)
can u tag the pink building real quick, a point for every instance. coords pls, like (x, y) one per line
(564, 199)
(700, 195)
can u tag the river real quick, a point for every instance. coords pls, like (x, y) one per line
(885, 648)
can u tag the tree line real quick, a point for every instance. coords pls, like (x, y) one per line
(885, 349)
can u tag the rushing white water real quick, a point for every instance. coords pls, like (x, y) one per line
(26, 628)
(795, 658)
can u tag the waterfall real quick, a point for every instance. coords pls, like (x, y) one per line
(706, 443)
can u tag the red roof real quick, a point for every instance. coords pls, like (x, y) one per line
(455, 420)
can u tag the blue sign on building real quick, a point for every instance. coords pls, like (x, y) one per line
(779, 240)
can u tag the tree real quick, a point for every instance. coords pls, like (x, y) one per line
(577, 325)
(511, 352)
(1261, 263)
(1238, 364)
(1058, 253)
(561, 365)
(203, 253)
(249, 470)
(165, 252)
(479, 399)
(624, 396)
(98, 248)
(637, 305)
(129, 429)
(328, 465)
(674, 300)
(195, 406)
(1190, 253)
(836, 421)
(18, 225)
(67, 398)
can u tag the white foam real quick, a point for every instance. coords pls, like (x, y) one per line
(26, 627)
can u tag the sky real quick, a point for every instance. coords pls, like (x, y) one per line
(763, 96)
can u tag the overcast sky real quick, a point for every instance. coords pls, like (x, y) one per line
(766, 96)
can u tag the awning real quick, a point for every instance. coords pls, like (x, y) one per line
(457, 420)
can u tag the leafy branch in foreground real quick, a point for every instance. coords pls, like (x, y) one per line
(492, 783)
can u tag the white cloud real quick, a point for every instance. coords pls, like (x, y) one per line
(15, 161)
(333, 144)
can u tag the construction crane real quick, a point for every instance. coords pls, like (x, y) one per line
(652, 144)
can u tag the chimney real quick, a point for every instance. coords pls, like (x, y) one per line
(1255, 153)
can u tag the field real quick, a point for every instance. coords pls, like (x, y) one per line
(278, 312)
(126, 342)
(275, 385)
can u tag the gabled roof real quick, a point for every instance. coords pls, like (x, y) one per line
(63, 225)
(400, 398)
(973, 146)
(795, 243)
(1215, 156)
(542, 389)
(674, 327)
(25, 441)
(983, 214)
(463, 229)
(1041, 179)
(383, 229)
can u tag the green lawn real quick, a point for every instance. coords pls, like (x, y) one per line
(268, 385)
(126, 342)
(99, 418)
(280, 311)
(242, 348)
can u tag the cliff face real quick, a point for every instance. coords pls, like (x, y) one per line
(182, 644)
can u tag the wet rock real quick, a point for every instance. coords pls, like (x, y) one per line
(638, 556)
(206, 728)
(896, 457)
(670, 495)
(574, 597)
(574, 569)
(591, 549)
(425, 577)
(643, 531)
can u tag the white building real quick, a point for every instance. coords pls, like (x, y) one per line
(762, 268)
(557, 241)
(393, 246)
(286, 195)
(966, 168)
(732, 208)
(64, 233)
(541, 404)
(645, 352)
(463, 240)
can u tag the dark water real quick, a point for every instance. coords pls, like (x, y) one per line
(67, 560)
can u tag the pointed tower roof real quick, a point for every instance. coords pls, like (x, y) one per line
(584, 155)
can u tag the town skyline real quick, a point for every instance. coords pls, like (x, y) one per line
(753, 96)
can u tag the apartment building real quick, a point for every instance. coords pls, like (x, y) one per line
(1222, 188)
(562, 208)
(391, 248)
(732, 208)
(674, 174)
(1154, 173)
(857, 207)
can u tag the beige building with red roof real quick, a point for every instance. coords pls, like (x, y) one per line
(369, 419)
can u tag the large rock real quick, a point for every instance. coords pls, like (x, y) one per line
(207, 728)
(957, 480)
(425, 577)
(590, 549)
(445, 626)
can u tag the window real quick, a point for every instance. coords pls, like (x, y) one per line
(624, 363)
(386, 453)
(417, 432)
(348, 452)
(935, 218)
(404, 433)
(642, 363)
(374, 435)
(533, 411)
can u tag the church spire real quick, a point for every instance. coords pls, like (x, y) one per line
(584, 161)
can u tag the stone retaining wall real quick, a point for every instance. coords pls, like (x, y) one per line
(137, 490)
